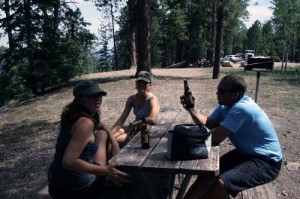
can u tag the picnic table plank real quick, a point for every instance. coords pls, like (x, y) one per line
(158, 158)
(148, 162)
(137, 155)
(209, 164)
(164, 122)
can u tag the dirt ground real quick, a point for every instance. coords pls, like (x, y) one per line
(28, 129)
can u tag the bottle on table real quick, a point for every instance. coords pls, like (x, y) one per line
(145, 139)
(188, 97)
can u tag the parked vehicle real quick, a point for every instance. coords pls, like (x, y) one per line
(232, 58)
(226, 62)
(248, 53)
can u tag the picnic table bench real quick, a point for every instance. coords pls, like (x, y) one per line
(265, 191)
(153, 161)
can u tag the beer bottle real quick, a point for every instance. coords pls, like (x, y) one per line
(188, 98)
(145, 140)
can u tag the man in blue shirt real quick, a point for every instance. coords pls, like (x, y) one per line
(257, 156)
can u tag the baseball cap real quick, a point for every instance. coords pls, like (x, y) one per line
(87, 88)
(144, 76)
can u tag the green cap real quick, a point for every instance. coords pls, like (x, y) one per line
(87, 88)
(144, 76)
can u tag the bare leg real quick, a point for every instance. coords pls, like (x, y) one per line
(100, 156)
(122, 137)
(121, 131)
(200, 186)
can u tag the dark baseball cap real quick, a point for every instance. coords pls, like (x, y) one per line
(87, 88)
(144, 76)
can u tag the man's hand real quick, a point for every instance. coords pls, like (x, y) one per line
(183, 102)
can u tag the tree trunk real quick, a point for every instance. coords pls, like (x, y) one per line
(56, 17)
(27, 16)
(216, 69)
(132, 50)
(8, 25)
(143, 35)
(211, 52)
(132, 6)
(188, 42)
(113, 32)
(32, 73)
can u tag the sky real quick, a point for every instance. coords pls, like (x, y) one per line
(259, 12)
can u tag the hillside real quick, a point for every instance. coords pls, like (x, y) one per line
(28, 129)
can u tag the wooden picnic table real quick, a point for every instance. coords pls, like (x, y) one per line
(154, 160)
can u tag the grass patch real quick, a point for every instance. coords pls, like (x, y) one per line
(291, 76)
(292, 102)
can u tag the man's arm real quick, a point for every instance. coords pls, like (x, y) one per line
(219, 134)
(201, 119)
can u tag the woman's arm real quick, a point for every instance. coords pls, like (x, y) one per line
(124, 115)
(82, 134)
(154, 106)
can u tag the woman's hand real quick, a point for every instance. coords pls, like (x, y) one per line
(116, 176)
(132, 130)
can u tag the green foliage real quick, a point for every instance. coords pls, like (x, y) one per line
(286, 24)
(105, 59)
(267, 46)
(122, 37)
(49, 42)
(254, 36)
(2, 49)
(234, 31)
(48, 47)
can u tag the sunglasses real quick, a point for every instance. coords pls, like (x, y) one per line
(222, 91)
(141, 82)
(95, 96)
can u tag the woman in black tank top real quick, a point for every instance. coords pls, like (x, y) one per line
(79, 168)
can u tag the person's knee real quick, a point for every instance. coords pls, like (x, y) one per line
(101, 135)
(221, 186)
(220, 181)
(120, 132)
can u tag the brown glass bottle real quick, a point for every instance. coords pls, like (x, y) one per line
(188, 97)
(145, 139)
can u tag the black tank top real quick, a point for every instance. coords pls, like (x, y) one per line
(63, 178)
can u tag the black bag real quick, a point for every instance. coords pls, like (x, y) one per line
(188, 142)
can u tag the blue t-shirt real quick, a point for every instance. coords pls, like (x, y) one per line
(251, 131)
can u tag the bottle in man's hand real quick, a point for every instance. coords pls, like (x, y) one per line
(188, 97)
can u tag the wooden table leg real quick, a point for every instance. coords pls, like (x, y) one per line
(183, 186)
(172, 187)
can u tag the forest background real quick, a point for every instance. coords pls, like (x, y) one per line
(49, 42)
